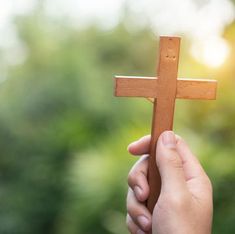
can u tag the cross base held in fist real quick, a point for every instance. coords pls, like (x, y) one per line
(185, 205)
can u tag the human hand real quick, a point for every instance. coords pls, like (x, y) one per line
(185, 203)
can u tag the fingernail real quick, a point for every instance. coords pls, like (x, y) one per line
(143, 221)
(138, 191)
(168, 139)
(140, 232)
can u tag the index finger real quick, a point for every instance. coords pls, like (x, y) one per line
(140, 146)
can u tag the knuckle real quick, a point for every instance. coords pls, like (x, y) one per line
(131, 177)
(130, 224)
(130, 208)
(175, 161)
(139, 169)
(178, 201)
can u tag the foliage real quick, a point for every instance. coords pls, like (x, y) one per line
(62, 133)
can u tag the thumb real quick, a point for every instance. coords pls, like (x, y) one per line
(170, 164)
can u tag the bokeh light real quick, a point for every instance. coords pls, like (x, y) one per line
(213, 52)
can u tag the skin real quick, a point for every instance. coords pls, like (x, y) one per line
(185, 204)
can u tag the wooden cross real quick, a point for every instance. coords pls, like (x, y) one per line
(164, 89)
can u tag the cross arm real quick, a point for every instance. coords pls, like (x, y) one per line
(127, 86)
(133, 86)
(196, 89)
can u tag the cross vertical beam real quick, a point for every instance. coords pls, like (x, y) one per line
(163, 110)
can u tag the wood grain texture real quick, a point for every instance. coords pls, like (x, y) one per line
(149, 87)
(163, 110)
(196, 89)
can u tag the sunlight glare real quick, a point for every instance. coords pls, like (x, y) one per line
(212, 52)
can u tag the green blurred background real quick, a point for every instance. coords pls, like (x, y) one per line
(63, 136)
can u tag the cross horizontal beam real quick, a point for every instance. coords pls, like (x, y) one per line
(132, 86)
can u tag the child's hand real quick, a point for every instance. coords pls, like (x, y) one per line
(185, 203)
